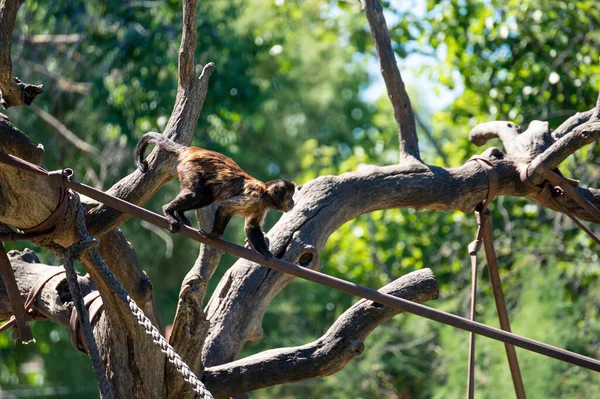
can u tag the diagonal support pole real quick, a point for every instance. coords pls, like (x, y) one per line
(16, 303)
(492, 264)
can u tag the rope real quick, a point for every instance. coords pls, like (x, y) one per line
(110, 279)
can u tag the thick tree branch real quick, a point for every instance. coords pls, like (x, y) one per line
(325, 356)
(54, 301)
(407, 130)
(13, 92)
(563, 148)
(324, 204)
(28, 200)
(571, 123)
(190, 326)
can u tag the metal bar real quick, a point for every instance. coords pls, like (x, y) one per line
(576, 221)
(496, 282)
(14, 295)
(342, 285)
(471, 364)
(339, 284)
(569, 190)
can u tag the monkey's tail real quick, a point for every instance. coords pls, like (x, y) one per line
(158, 140)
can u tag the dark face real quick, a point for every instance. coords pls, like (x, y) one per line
(281, 193)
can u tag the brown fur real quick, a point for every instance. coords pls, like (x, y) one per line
(208, 176)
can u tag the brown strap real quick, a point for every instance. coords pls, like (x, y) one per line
(55, 217)
(14, 295)
(33, 293)
(92, 301)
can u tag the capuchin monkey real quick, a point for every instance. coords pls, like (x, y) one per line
(208, 176)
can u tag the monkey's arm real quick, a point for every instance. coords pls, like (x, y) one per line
(257, 238)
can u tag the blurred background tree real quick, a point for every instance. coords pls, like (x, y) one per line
(297, 94)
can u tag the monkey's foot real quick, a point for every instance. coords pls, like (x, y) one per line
(209, 235)
(174, 227)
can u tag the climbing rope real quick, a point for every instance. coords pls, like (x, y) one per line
(89, 243)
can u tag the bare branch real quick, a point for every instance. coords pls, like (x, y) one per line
(571, 123)
(325, 356)
(525, 146)
(407, 130)
(54, 301)
(188, 44)
(13, 92)
(561, 149)
(64, 131)
(506, 131)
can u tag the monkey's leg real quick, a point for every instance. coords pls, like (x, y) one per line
(257, 239)
(174, 210)
(180, 215)
(222, 218)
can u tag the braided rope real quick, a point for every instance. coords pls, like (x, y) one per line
(110, 279)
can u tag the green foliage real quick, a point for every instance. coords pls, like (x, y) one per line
(286, 101)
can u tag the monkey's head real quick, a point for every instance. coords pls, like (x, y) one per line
(281, 193)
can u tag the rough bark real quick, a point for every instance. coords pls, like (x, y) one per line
(236, 308)
(54, 301)
(235, 311)
(330, 353)
(191, 325)
(13, 91)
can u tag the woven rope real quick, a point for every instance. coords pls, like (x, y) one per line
(110, 279)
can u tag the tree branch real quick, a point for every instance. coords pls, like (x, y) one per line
(13, 92)
(190, 325)
(325, 356)
(407, 130)
(54, 301)
(563, 148)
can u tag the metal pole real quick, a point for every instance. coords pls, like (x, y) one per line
(330, 281)
(492, 264)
